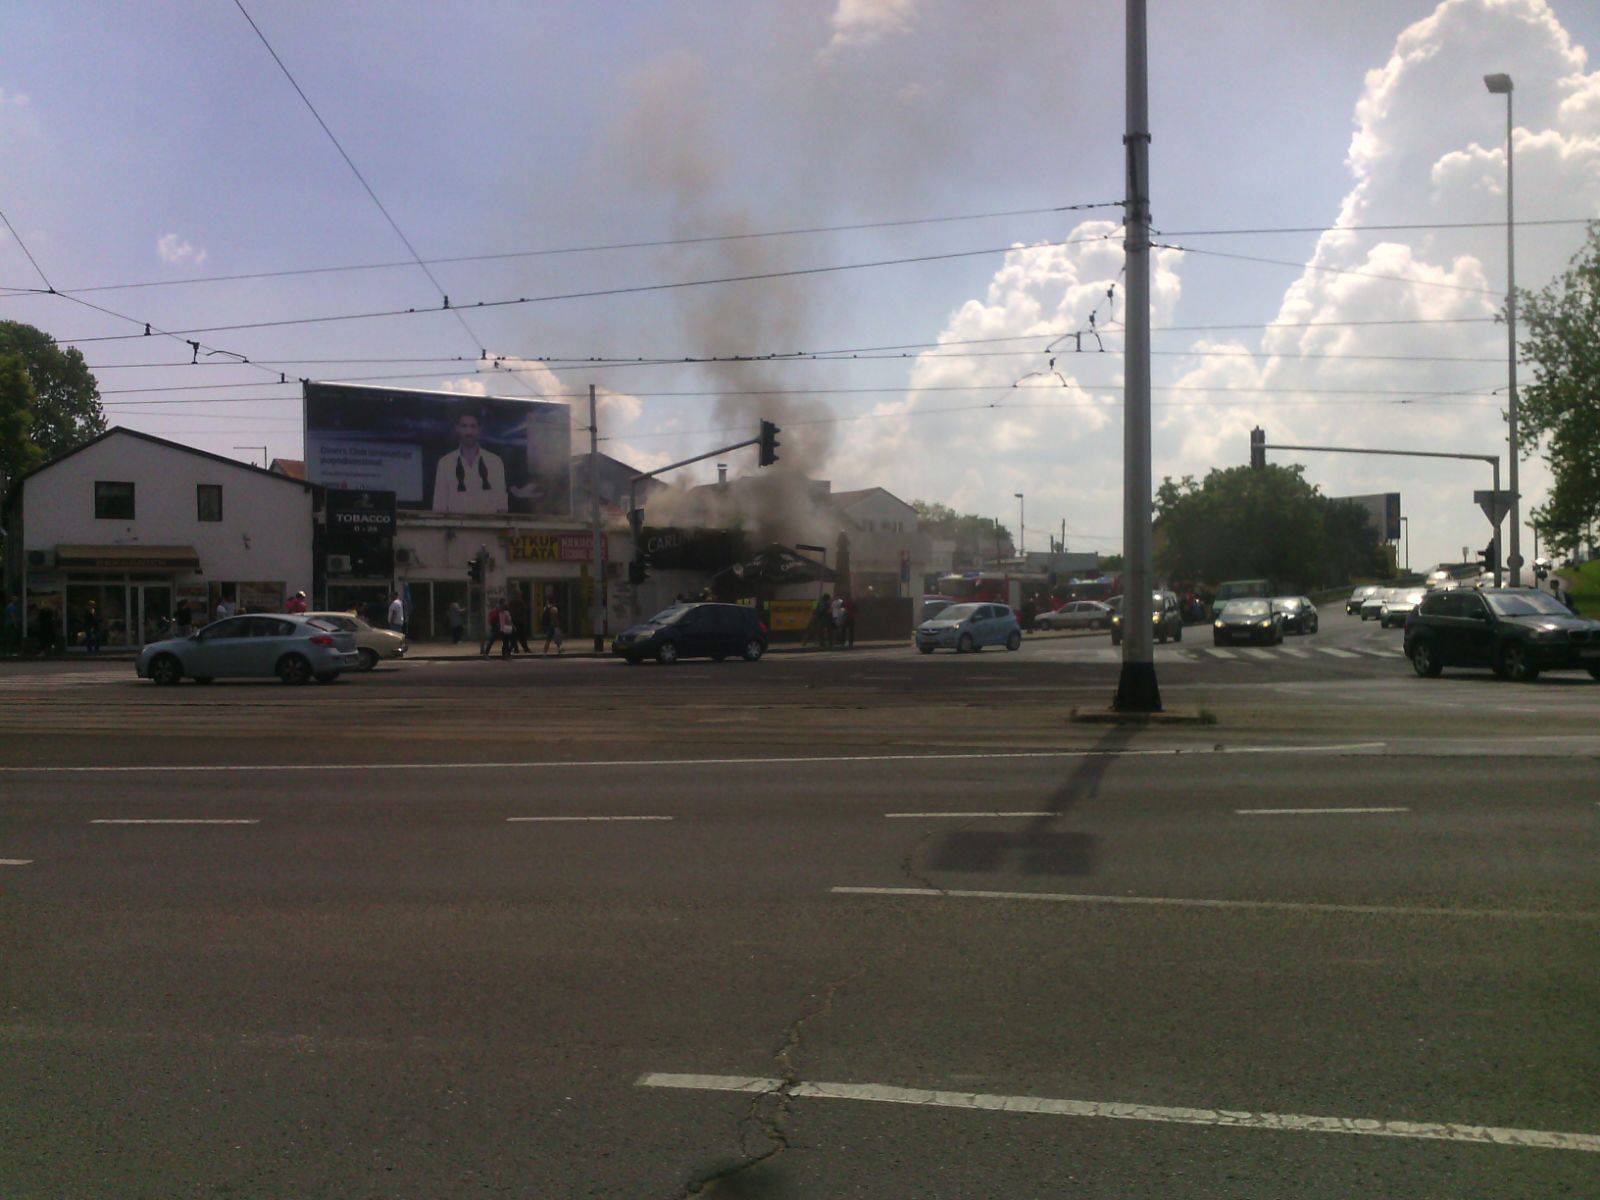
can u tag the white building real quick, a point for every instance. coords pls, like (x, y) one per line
(140, 526)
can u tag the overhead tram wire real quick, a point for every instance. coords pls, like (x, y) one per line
(1309, 266)
(1374, 228)
(656, 243)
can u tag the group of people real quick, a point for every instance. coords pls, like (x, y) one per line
(508, 624)
(833, 622)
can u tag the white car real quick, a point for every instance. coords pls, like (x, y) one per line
(1080, 614)
(1399, 604)
(372, 643)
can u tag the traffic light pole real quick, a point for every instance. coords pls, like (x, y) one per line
(1492, 459)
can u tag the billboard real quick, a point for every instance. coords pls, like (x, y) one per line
(1383, 512)
(441, 451)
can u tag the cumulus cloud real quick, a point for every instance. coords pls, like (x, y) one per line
(858, 23)
(172, 248)
(616, 412)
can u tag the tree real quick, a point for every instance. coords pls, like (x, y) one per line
(1245, 523)
(1560, 340)
(18, 451)
(976, 538)
(66, 406)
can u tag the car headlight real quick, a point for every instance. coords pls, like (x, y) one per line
(1549, 635)
(1218, 624)
(1267, 624)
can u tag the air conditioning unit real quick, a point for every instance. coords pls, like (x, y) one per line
(40, 558)
(338, 564)
(405, 556)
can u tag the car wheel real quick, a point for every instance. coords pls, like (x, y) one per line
(1594, 673)
(966, 645)
(1216, 639)
(1313, 628)
(753, 650)
(1425, 658)
(633, 660)
(1278, 639)
(1177, 634)
(368, 658)
(666, 653)
(1014, 641)
(1515, 665)
(1116, 639)
(294, 669)
(325, 676)
(165, 670)
(926, 649)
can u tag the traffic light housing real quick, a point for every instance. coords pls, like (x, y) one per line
(1486, 558)
(1258, 449)
(768, 444)
(475, 569)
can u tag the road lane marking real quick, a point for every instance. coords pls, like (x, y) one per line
(15, 862)
(1218, 652)
(1437, 1131)
(175, 821)
(1273, 812)
(965, 815)
(791, 760)
(1258, 652)
(1297, 651)
(1336, 652)
(1395, 910)
(589, 818)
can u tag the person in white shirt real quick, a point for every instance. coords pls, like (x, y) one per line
(225, 608)
(397, 615)
(470, 479)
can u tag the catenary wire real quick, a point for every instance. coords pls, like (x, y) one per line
(1309, 266)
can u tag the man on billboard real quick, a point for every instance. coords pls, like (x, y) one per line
(470, 479)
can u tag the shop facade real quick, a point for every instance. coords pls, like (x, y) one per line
(133, 534)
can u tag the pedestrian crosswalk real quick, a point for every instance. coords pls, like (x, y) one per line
(1201, 654)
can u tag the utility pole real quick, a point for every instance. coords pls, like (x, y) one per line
(1501, 85)
(598, 608)
(1136, 689)
(1022, 528)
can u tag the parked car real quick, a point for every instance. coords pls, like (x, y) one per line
(1249, 620)
(372, 644)
(1399, 605)
(1372, 606)
(294, 647)
(1299, 614)
(714, 631)
(1358, 597)
(1166, 619)
(932, 606)
(967, 628)
(1517, 631)
(1080, 614)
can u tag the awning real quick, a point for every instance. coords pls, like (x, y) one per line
(127, 558)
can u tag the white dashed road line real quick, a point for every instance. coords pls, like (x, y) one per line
(965, 815)
(1220, 1118)
(589, 818)
(176, 821)
(15, 862)
(1392, 910)
(1336, 652)
(1220, 652)
(1274, 812)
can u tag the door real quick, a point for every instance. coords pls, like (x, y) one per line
(1476, 632)
(150, 612)
(220, 647)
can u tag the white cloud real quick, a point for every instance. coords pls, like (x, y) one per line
(13, 99)
(174, 249)
(858, 23)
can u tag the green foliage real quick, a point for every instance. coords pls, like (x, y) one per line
(1243, 523)
(64, 406)
(973, 535)
(1559, 334)
(19, 453)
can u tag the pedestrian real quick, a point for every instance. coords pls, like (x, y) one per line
(397, 614)
(491, 629)
(44, 628)
(550, 624)
(224, 609)
(837, 613)
(296, 604)
(507, 631)
(91, 629)
(850, 621)
(822, 621)
(456, 618)
(12, 628)
(520, 619)
(183, 619)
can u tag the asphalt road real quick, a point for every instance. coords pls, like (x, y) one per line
(853, 924)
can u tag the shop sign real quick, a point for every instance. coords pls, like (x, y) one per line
(260, 597)
(790, 616)
(550, 547)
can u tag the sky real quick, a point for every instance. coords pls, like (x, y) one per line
(161, 145)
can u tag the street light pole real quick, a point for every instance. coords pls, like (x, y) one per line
(1405, 524)
(1022, 528)
(1136, 687)
(1500, 85)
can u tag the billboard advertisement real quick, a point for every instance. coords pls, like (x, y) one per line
(1383, 512)
(441, 451)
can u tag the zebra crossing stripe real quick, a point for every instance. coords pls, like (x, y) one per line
(1258, 652)
(1336, 652)
(1219, 652)
(1296, 652)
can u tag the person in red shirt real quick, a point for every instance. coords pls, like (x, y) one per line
(296, 604)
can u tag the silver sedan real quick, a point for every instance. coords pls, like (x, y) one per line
(1080, 614)
(294, 648)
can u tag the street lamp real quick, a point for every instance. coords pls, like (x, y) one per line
(1405, 525)
(1500, 85)
(1022, 527)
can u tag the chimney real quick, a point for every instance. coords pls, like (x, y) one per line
(722, 474)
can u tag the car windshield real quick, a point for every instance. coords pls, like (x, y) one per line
(1413, 595)
(1287, 604)
(1247, 608)
(1526, 604)
(668, 615)
(958, 612)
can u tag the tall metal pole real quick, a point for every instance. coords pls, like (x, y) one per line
(1022, 528)
(598, 607)
(1136, 689)
(1514, 561)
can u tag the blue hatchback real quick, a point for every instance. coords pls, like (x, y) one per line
(968, 627)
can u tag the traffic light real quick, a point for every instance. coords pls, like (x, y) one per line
(1258, 448)
(475, 567)
(769, 444)
(637, 573)
(638, 568)
(1486, 559)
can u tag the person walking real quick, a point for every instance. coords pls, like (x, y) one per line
(456, 618)
(91, 629)
(520, 619)
(550, 625)
(397, 614)
(225, 609)
(837, 613)
(507, 631)
(850, 621)
(491, 629)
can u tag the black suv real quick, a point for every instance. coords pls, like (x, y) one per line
(1517, 631)
(714, 631)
